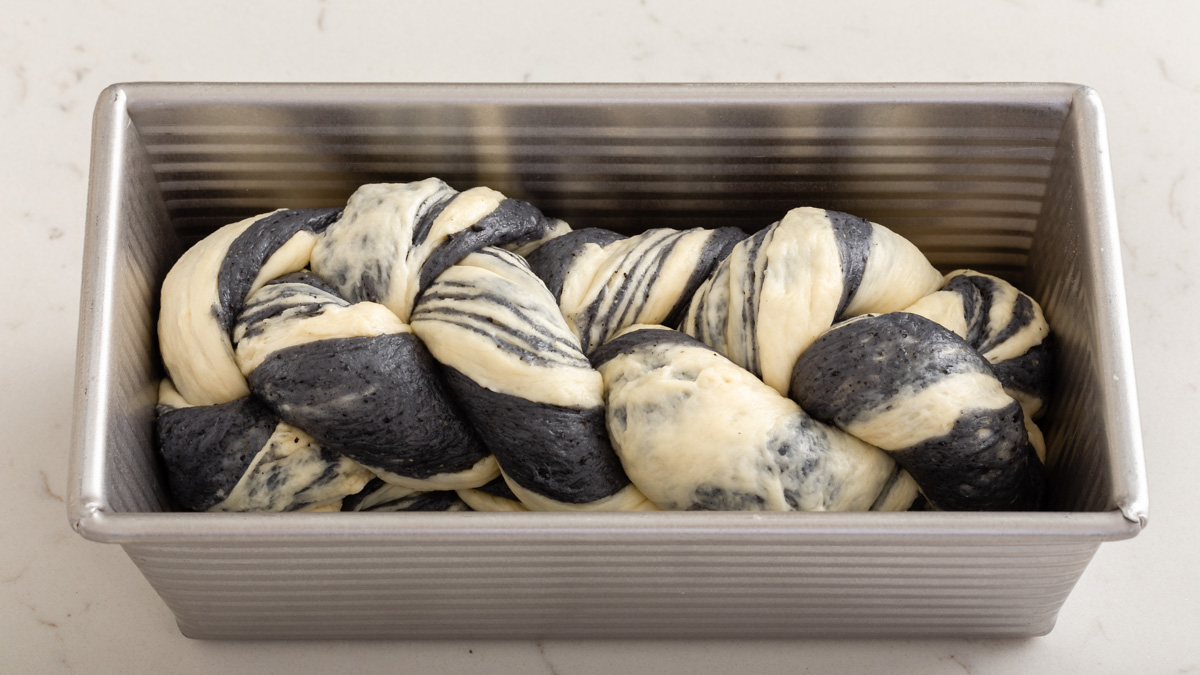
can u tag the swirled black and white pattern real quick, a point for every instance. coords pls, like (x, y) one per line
(520, 375)
(785, 285)
(605, 282)
(357, 379)
(394, 239)
(915, 389)
(380, 495)
(697, 432)
(204, 291)
(245, 326)
(429, 349)
(239, 456)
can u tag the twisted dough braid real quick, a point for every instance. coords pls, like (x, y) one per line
(910, 386)
(605, 282)
(247, 344)
(695, 431)
(238, 456)
(785, 285)
(522, 378)
(428, 349)
(1007, 328)
(356, 378)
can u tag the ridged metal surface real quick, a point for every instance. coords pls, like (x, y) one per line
(1010, 179)
(1075, 273)
(129, 249)
(924, 169)
(528, 587)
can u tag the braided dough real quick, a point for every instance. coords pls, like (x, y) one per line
(356, 378)
(698, 432)
(605, 282)
(237, 456)
(429, 349)
(524, 382)
(785, 285)
(913, 388)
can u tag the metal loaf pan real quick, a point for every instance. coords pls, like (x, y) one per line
(1009, 179)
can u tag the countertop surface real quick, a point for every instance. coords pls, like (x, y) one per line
(69, 605)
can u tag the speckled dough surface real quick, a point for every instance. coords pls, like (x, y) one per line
(204, 291)
(782, 287)
(238, 456)
(241, 316)
(914, 388)
(394, 239)
(358, 380)
(521, 376)
(1007, 328)
(695, 431)
(605, 282)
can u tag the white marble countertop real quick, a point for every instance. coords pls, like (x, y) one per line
(69, 605)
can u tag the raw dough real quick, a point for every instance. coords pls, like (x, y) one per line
(519, 374)
(912, 387)
(781, 288)
(695, 431)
